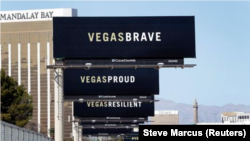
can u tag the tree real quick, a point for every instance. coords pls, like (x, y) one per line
(16, 105)
(52, 132)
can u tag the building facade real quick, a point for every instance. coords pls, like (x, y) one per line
(235, 117)
(231, 118)
(26, 48)
(165, 117)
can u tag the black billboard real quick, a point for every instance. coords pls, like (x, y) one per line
(109, 126)
(80, 62)
(158, 37)
(113, 109)
(126, 120)
(134, 136)
(111, 82)
(110, 97)
(89, 131)
(113, 118)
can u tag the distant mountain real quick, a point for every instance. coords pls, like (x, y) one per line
(206, 113)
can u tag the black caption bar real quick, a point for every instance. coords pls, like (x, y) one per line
(162, 132)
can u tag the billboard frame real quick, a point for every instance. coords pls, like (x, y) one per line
(60, 64)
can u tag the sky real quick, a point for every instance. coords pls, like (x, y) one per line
(222, 74)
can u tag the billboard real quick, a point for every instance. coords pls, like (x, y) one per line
(90, 131)
(109, 126)
(159, 37)
(110, 97)
(97, 120)
(93, 62)
(134, 136)
(111, 82)
(113, 109)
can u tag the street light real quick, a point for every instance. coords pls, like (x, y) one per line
(88, 65)
(81, 100)
(160, 65)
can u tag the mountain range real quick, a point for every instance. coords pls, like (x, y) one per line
(205, 113)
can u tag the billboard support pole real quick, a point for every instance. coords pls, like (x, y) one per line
(76, 132)
(80, 133)
(59, 104)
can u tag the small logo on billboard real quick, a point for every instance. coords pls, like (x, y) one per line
(123, 60)
(113, 118)
(103, 134)
(143, 97)
(172, 61)
(107, 96)
(110, 124)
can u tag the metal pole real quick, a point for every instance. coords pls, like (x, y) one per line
(74, 124)
(80, 133)
(76, 136)
(59, 104)
(74, 130)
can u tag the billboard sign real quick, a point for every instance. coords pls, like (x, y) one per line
(113, 119)
(110, 126)
(105, 132)
(35, 15)
(111, 97)
(79, 82)
(158, 37)
(113, 109)
(134, 136)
